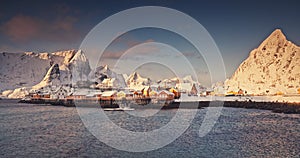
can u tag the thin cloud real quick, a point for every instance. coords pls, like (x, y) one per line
(23, 28)
(112, 54)
(146, 49)
(128, 40)
(191, 54)
(132, 43)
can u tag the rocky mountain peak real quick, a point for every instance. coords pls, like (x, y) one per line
(275, 40)
(65, 53)
(52, 77)
(105, 67)
(80, 67)
(270, 69)
(52, 73)
(137, 79)
(135, 76)
(79, 56)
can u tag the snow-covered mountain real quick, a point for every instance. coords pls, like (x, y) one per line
(52, 77)
(169, 83)
(273, 67)
(28, 69)
(30, 72)
(37, 71)
(136, 79)
(188, 79)
(102, 72)
(80, 67)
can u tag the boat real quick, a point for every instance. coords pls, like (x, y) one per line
(119, 109)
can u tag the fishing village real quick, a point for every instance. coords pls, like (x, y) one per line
(146, 97)
(108, 98)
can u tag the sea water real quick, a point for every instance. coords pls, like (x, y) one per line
(55, 131)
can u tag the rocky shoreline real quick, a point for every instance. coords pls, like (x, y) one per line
(276, 107)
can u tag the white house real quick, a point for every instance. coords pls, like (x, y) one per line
(107, 95)
(189, 88)
(165, 95)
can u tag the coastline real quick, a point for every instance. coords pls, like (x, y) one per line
(276, 107)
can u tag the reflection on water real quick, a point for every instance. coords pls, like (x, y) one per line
(32, 130)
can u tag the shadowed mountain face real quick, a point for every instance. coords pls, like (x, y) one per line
(273, 67)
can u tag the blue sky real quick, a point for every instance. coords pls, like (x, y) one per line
(236, 26)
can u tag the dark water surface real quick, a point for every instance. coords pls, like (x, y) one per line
(55, 131)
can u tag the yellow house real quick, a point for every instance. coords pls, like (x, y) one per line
(146, 91)
(153, 94)
(121, 95)
(175, 92)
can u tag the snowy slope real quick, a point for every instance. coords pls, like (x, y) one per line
(188, 79)
(51, 78)
(169, 83)
(273, 67)
(135, 79)
(102, 72)
(37, 71)
(27, 69)
(80, 67)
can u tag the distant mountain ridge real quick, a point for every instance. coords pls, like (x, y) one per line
(273, 67)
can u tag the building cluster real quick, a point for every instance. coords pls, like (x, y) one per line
(140, 94)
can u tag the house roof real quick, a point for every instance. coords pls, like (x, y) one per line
(137, 87)
(93, 93)
(154, 86)
(166, 92)
(185, 86)
(173, 90)
(87, 92)
(153, 93)
(81, 92)
(59, 88)
(108, 93)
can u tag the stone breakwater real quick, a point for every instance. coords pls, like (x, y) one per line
(277, 107)
(288, 108)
